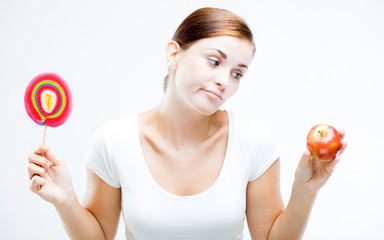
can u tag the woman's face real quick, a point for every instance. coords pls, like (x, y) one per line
(210, 70)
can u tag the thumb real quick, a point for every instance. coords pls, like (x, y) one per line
(41, 149)
(304, 170)
(53, 158)
(305, 160)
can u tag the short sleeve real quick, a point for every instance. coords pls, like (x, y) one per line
(266, 152)
(99, 160)
(260, 147)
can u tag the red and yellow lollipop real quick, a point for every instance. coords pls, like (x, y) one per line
(48, 100)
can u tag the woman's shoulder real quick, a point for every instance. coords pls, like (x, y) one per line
(117, 128)
(121, 122)
(249, 127)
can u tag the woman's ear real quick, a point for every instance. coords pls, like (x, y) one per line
(171, 51)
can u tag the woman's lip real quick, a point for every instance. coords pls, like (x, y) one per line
(217, 95)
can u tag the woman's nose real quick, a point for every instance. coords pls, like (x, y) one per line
(221, 80)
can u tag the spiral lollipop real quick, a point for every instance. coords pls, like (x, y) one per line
(48, 101)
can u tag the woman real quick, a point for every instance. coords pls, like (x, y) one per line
(185, 169)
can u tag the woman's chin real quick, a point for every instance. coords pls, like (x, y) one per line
(207, 108)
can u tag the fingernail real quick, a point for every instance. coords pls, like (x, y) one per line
(48, 165)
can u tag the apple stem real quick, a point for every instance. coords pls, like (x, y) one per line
(321, 133)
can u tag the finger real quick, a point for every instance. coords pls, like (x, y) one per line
(34, 169)
(39, 160)
(342, 133)
(36, 183)
(55, 160)
(344, 145)
(42, 148)
(331, 165)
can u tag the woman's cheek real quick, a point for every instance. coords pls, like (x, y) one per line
(233, 87)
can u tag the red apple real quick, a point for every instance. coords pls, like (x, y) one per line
(324, 142)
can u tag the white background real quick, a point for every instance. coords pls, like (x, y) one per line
(316, 62)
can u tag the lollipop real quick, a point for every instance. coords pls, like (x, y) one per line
(48, 101)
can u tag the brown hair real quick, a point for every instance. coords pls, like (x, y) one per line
(210, 22)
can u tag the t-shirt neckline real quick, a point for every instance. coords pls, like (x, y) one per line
(202, 194)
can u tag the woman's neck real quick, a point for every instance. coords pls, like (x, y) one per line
(184, 127)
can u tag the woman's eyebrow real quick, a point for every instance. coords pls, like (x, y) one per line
(243, 65)
(223, 55)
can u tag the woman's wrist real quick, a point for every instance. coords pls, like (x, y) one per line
(303, 191)
(69, 201)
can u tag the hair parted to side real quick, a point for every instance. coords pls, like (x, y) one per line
(210, 22)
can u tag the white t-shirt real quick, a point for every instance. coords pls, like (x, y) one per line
(150, 212)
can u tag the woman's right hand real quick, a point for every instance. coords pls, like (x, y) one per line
(50, 178)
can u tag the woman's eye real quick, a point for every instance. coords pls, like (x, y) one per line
(237, 75)
(213, 62)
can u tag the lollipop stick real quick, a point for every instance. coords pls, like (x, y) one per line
(45, 135)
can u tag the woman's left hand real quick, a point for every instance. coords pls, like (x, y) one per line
(311, 174)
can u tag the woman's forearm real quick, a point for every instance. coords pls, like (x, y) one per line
(291, 223)
(79, 223)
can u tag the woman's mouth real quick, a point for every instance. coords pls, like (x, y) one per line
(214, 94)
